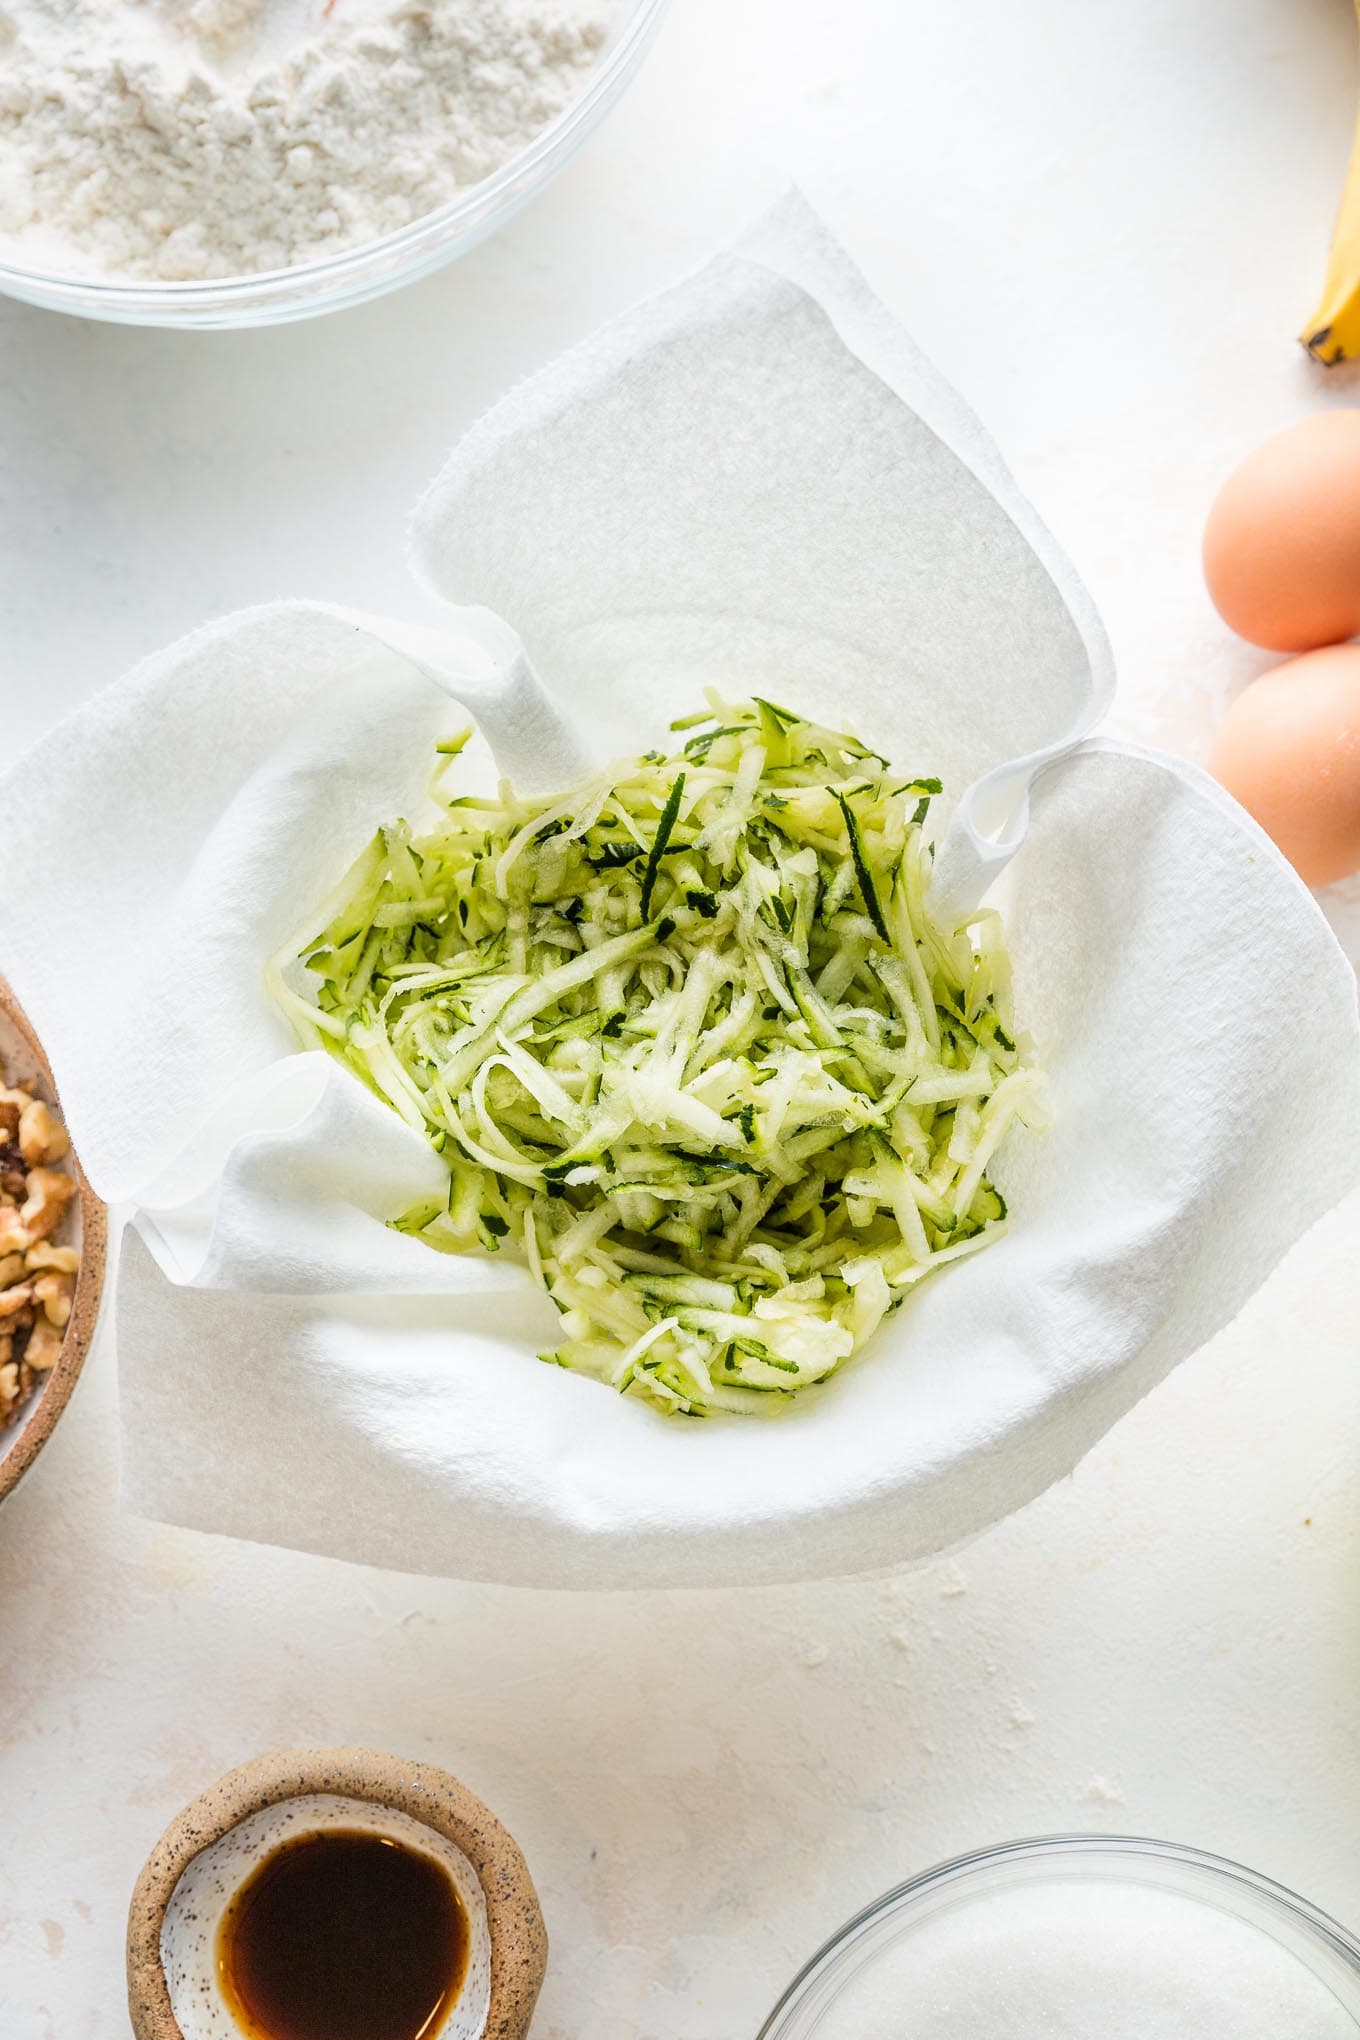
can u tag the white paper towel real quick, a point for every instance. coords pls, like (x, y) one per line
(753, 480)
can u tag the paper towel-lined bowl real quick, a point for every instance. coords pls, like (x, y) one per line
(752, 480)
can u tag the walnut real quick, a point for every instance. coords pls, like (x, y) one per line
(49, 1193)
(42, 1138)
(13, 1302)
(64, 1260)
(54, 1292)
(44, 1344)
(37, 1277)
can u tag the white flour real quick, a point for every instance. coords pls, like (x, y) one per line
(206, 138)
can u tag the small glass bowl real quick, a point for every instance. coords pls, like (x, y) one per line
(809, 2007)
(374, 267)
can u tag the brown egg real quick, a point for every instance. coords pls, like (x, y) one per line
(1282, 544)
(1289, 750)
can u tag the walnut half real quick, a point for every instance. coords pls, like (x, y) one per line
(42, 1138)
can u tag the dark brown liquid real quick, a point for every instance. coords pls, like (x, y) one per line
(343, 1935)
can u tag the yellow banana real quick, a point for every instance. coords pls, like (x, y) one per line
(1333, 332)
(1334, 329)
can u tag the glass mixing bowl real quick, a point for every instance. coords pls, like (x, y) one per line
(374, 267)
(873, 1953)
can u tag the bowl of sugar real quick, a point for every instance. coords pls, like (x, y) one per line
(1080, 1935)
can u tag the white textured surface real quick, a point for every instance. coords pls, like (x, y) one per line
(1103, 223)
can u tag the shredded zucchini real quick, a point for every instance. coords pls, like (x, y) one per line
(690, 1043)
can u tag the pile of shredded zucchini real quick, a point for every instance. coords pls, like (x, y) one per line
(690, 1043)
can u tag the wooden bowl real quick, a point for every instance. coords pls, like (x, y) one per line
(217, 1840)
(20, 1442)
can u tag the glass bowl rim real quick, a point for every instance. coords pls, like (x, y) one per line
(1057, 1847)
(627, 40)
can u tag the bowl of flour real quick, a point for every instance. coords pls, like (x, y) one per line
(234, 162)
(1076, 1936)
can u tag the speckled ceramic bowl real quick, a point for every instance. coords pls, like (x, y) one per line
(85, 1227)
(209, 1851)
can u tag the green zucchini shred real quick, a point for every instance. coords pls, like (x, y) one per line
(690, 1042)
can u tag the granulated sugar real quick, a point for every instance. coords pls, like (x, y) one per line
(148, 139)
(1086, 1961)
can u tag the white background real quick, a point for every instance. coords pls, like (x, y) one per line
(1105, 221)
